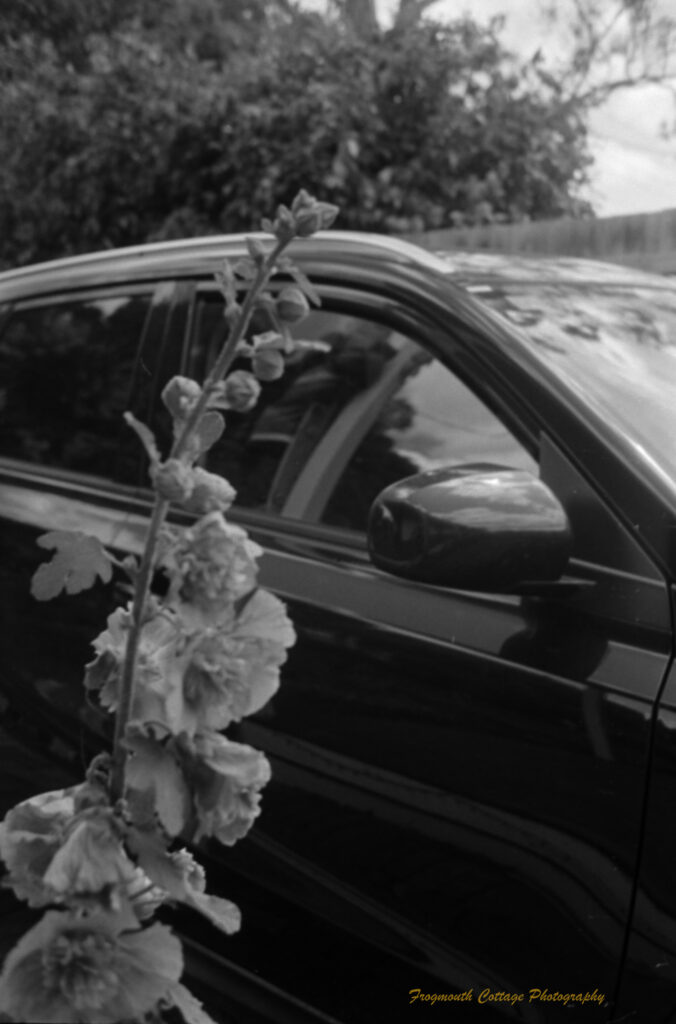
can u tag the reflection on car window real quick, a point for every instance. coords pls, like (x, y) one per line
(615, 347)
(395, 409)
(428, 420)
(66, 372)
(262, 452)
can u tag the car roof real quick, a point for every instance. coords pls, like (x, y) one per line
(195, 257)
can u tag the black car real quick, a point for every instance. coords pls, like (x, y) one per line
(472, 810)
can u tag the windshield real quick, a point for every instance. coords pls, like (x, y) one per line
(615, 347)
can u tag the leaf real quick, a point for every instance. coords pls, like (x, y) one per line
(209, 430)
(155, 781)
(79, 559)
(245, 268)
(191, 1009)
(225, 279)
(146, 435)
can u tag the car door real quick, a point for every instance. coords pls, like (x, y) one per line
(458, 777)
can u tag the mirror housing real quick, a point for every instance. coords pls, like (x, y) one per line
(472, 527)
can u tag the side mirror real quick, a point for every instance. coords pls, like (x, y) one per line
(472, 527)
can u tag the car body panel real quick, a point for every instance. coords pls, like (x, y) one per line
(459, 779)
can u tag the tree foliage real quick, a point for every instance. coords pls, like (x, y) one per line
(138, 119)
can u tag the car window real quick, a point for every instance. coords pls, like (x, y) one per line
(394, 409)
(426, 419)
(66, 373)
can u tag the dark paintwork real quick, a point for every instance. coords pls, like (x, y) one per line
(459, 779)
(473, 528)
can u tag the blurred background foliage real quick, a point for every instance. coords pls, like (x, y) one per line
(132, 120)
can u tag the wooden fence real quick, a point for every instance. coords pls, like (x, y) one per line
(645, 240)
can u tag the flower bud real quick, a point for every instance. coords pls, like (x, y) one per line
(173, 480)
(311, 215)
(256, 249)
(180, 396)
(269, 339)
(291, 305)
(268, 364)
(301, 201)
(307, 223)
(284, 225)
(239, 392)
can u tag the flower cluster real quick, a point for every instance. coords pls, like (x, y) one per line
(174, 669)
(67, 847)
(95, 969)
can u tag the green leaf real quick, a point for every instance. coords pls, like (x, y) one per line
(191, 1009)
(79, 559)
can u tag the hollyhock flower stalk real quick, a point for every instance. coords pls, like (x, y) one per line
(173, 669)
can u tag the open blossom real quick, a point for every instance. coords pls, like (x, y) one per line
(89, 969)
(234, 669)
(91, 861)
(228, 678)
(30, 835)
(158, 677)
(59, 852)
(225, 779)
(212, 565)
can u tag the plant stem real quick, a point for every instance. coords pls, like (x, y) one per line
(159, 513)
(141, 590)
(229, 350)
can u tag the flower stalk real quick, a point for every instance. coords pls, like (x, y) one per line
(174, 670)
(161, 507)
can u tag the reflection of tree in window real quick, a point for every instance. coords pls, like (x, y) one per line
(67, 373)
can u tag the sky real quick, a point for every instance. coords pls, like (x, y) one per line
(634, 168)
